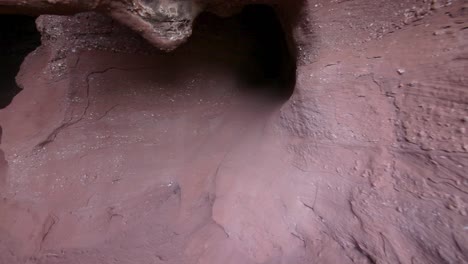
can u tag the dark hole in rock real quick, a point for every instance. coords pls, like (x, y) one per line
(264, 63)
(18, 37)
(273, 64)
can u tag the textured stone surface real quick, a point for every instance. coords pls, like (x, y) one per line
(117, 153)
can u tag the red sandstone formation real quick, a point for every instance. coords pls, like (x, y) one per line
(282, 132)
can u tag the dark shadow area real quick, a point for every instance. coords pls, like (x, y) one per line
(18, 37)
(255, 45)
(272, 63)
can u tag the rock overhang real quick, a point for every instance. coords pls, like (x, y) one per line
(166, 24)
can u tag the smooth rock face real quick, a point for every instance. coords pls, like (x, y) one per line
(115, 152)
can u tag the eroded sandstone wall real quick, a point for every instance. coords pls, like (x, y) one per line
(116, 152)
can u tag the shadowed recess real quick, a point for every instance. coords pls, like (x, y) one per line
(18, 37)
(272, 63)
(266, 65)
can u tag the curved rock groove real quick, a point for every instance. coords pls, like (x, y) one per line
(178, 118)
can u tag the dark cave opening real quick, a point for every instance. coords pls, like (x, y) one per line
(18, 37)
(255, 44)
(273, 63)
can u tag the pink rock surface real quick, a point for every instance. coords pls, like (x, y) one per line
(115, 152)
